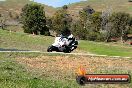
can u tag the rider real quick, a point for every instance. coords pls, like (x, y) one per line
(66, 33)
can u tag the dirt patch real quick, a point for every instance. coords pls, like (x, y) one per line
(64, 64)
(66, 67)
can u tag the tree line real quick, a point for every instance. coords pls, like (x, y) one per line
(90, 25)
(102, 26)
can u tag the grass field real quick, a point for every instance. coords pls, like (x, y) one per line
(22, 41)
(56, 70)
(14, 75)
(37, 70)
(106, 48)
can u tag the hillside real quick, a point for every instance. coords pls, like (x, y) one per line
(74, 8)
(100, 5)
(16, 6)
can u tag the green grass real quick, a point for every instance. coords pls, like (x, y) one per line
(15, 75)
(130, 8)
(106, 49)
(22, 41)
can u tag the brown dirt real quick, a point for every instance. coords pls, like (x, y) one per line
(72, 63)
(66, 67)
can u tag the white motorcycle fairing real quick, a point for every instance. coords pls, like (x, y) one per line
(63, 44)
(60, 42)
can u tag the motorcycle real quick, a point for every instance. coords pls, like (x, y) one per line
(63, 44)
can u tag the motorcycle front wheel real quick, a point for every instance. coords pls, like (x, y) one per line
(67, 50)
(50, 49)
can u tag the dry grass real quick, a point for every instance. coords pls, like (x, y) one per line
(29, 70)
(99, 5)
(67, 66)
(17, 5)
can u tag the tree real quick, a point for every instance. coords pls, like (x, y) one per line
(78, 30)
(33, 19)
(96, 21)
(49, 22)
(88, 25)
(103, 26)
(120, 23)
(106, 26)
(61, 20)
(65, 7)
(130, 26)
(85, 15)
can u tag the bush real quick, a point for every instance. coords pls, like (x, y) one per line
(33, 19)
(78, 31)
(61, 20)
